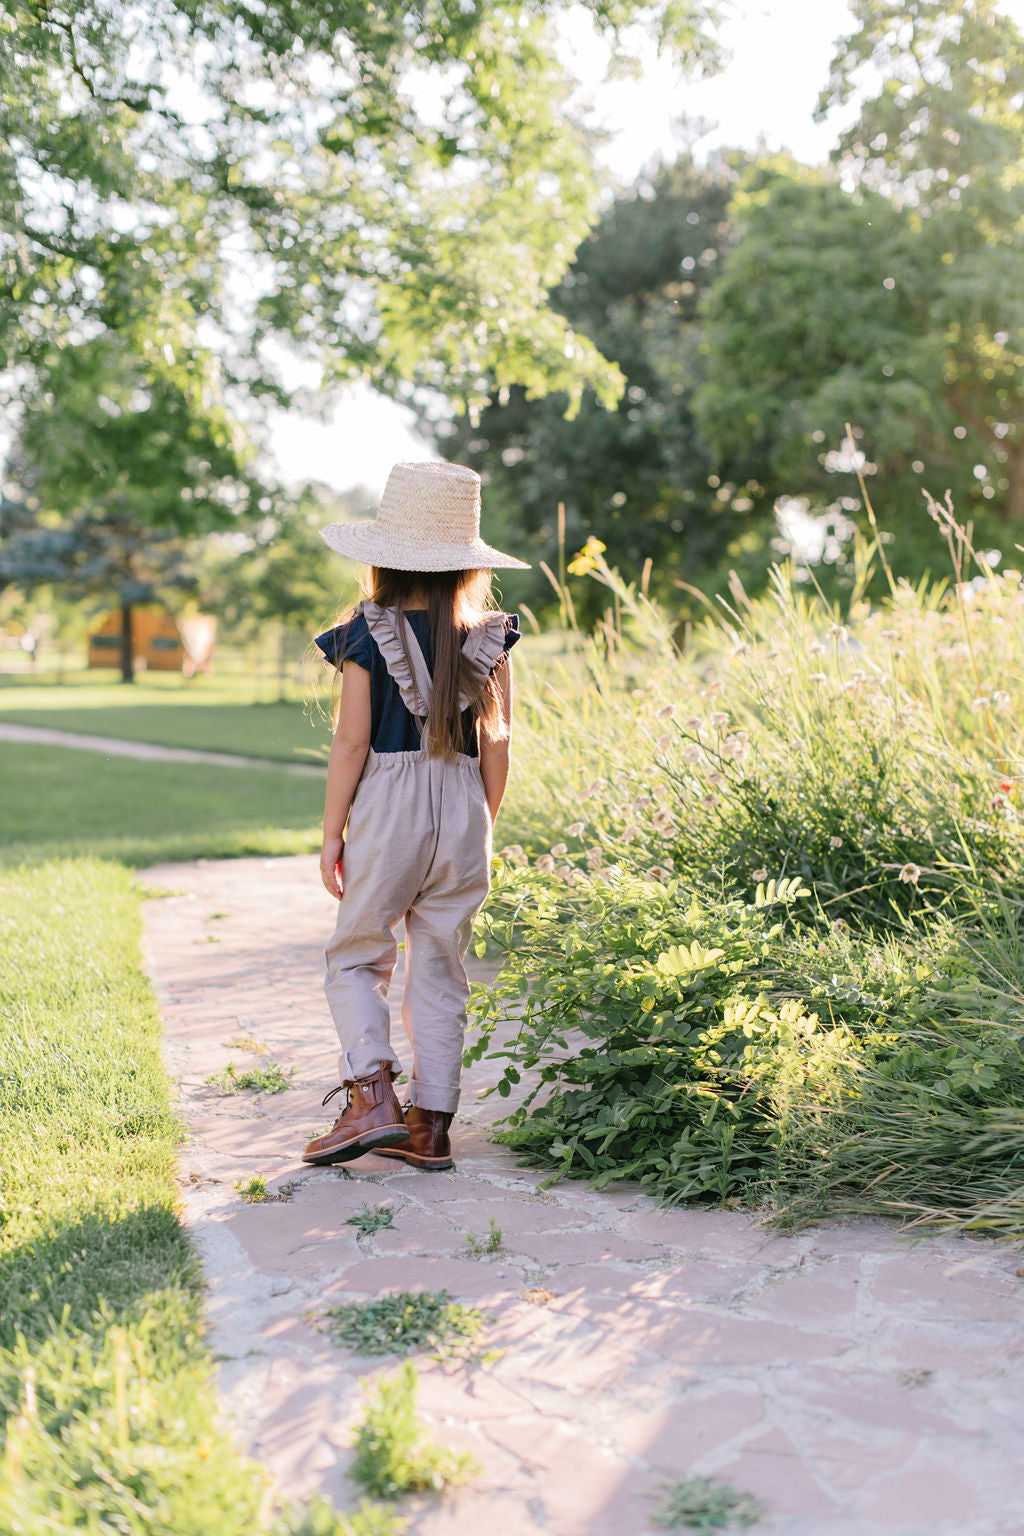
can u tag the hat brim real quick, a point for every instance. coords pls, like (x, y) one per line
(367, 542)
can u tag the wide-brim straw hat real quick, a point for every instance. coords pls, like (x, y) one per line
(428, 520)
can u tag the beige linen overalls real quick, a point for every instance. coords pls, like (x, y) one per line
(418, 848)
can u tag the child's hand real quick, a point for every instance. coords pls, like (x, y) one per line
(330, 867)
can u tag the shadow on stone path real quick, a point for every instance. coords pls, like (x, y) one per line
(854, 1382)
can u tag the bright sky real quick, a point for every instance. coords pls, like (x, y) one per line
(779, 51)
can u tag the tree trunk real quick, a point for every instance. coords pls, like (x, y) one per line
(127, 649)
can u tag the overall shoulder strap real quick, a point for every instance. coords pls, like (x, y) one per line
(402, 656)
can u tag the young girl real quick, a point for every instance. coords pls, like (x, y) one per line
(417, 770)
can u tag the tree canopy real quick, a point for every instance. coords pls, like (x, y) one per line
(394, 188)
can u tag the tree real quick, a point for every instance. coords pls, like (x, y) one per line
(885, 292)
(114, 468)
(638, 479)
(280, 572)
(393, 188)
(943, 139)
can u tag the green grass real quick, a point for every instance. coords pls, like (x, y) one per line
(699, 1504)
(393, 1453)
(57, 803)
(402, 1322)
(108, 1415)
(372, 1218)
(211, 715)
(104, 1383)
(269, 1079)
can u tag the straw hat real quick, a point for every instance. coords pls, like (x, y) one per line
(428, 520)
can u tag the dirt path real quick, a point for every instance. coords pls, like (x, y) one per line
(855, 1383)
(144, 751)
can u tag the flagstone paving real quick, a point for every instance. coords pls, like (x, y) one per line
(854, 1382)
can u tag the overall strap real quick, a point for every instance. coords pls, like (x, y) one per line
(397, 643)
(403, 658)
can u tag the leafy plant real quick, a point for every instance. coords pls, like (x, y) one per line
(268, 1079)
(253, 1189)
(393, 1453)
(698, 1504)
(489, 1244)
(372, 1219)
(402, 1322)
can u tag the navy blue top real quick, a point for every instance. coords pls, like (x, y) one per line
(393, 728)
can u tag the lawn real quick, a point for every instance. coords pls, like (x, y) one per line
(105, 1393)
(211, 714)
(57, 802)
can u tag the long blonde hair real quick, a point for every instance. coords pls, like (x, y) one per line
(456, 602)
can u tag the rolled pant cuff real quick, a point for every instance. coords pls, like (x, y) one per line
(352, 1068)
(441, 1099)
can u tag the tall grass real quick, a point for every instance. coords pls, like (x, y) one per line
(871, 753)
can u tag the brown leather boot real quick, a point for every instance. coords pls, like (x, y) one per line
(428, 1145)
(371, 1119)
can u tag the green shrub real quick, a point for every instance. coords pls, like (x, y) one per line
(713, 1048)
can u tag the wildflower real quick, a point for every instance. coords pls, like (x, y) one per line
(838, 632)
(575, 829)
(642, 801)
(559, 851)
(910, 874)
(564, 871)
(593, 789)
(545, 863)
(1001, 701)
(835, 842)
(695, 723)
(709, 800)
(817, 677)
(514, 853)
(712, 688)
(736, 745)
(630, 831)
(759, 874)
(595, 857)
(816, 648)
(663, 743)
(980, 703)
(664, 821)
(719, 720)
(659, 872)
(666, 713)
(692, 754)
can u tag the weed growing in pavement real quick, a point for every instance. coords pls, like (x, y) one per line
(393, 1453)
(372, 1218)
(404, 1321)
(269, 1079)
(246, 1043)
(489, 1244)
(253, 1189)
(698, 1504)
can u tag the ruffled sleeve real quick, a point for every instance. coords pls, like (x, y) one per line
(486, 647)
(513, 635)
(347, 642)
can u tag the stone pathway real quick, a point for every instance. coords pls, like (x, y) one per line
(856, 1383)
(144, 751)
